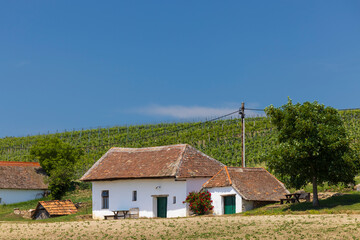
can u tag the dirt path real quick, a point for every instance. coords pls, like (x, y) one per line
(229, 227)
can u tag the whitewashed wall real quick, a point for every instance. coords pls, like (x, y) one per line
(217, 196)
(194, 184)
(9, 196)
(120, 196)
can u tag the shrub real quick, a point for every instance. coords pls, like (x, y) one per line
(199, 202)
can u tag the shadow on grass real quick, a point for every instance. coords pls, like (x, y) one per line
(346, 201)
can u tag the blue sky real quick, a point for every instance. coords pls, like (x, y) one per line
(82, 64)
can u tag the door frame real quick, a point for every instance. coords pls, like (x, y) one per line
(155, 203)
(162, 204)
(223, 202)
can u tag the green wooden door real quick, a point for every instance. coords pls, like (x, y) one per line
(161, 207)
(229, 204)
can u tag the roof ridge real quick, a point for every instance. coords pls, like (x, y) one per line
(180, 160)
(148, 148)
(227, 172)
(213, 176)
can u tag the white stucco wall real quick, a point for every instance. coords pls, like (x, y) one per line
(217, 196)
(120, 196)
(194, 184)
(9, 196)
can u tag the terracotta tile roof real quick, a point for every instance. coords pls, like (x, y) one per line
(22, 175)
(180, 161)
(255, 184)
(57, 207)
(24, 164)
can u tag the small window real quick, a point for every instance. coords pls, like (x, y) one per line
(134, 196)
(105, 199)
(174, 199)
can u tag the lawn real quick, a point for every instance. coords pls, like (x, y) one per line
(349, 203)
(84, 196)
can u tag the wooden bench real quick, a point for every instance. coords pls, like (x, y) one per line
(290, 198)
(286, 200)
(133, 213)
(109, 216)
(117, 214)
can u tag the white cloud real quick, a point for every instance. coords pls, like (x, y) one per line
(185, 112)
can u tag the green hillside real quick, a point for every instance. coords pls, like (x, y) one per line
(220, 139)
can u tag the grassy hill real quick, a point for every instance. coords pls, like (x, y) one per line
(220, 139)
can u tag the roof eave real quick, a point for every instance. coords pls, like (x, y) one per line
(127, 178)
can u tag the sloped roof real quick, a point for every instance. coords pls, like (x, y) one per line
(179, 161)
(255, 184)
(57, 207)
(22, 175)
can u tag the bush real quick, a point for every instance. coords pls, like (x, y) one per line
(199, 202)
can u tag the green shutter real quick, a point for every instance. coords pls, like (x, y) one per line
(229, 204)
(161, 207)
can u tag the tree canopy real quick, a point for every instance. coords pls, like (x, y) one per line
(57, 158)
(312, 146)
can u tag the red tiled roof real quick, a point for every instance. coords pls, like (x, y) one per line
(58, 207)
(24, 164)
(22, 175)
(180, 161)
(254, 184)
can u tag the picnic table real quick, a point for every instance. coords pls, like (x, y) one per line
(291, 198)
(117, 214)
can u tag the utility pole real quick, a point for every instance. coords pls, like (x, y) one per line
(242, 113)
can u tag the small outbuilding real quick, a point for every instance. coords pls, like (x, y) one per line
(21, 181)
(235, 189)
(54, 208)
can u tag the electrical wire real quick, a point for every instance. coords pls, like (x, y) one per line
(143, 138)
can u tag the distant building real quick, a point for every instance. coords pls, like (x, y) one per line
(156, 180)
(236, 189)
(54, 208)
(21, 181)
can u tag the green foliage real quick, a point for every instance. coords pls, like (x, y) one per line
(200, 203)
(57, 159)
(220, 139)
(312, 146)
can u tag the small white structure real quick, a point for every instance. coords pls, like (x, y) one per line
(21, 181)
(156, 179)
(235, 189)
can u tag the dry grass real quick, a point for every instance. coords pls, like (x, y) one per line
(340, 226)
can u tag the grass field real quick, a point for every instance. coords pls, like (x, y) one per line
(337, 218)
(339, 226)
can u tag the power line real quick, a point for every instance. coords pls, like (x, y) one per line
(346, 109)
(340, 109)
(255, 109)
(142, 138)
(196, 124)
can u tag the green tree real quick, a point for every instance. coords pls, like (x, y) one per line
(57, 158)
(312, 146)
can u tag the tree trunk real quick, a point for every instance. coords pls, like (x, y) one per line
(315, 193)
